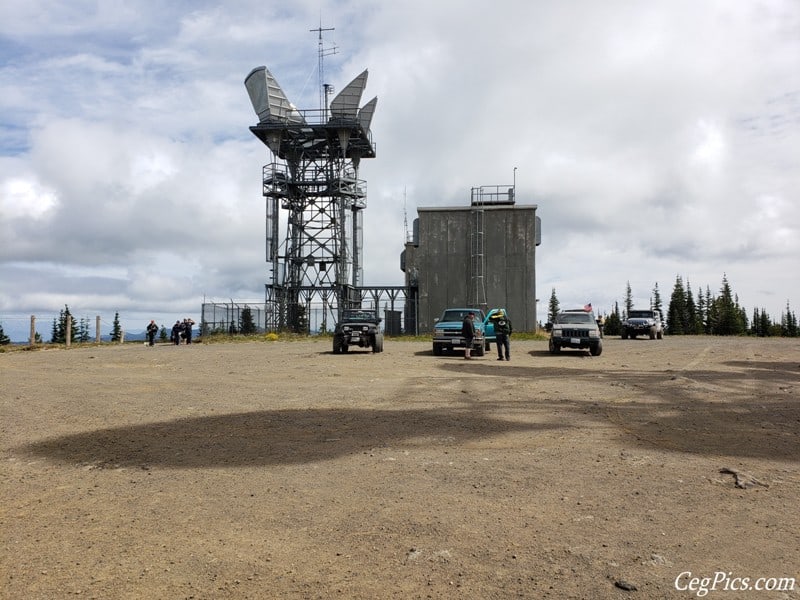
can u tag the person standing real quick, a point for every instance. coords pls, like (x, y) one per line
(187, 329)
(468, 332)
(176, 332)
(152, 330)
(502, 333)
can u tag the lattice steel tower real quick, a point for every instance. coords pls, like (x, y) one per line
(313, 181)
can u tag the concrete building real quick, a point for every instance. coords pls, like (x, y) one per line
(479, 256)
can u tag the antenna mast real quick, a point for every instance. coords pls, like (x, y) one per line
(324, 88)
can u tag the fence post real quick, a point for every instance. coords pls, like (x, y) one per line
(32, 339)
(68, 337)
(97, 329)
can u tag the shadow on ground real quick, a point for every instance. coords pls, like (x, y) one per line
(271, 437)
(753, 411)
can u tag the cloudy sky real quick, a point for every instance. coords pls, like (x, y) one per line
(658, 139)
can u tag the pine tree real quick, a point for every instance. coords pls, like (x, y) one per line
(162, 334)
(656, 302)
(83, 330)
(676, 313)
(690, 326)
(59, 332)
(613, 324)
(553, 307)
(4, 339)
(628, 299)
(764, 324)
(701, 312)
(711, 312)
(116, 330)
(246, 324)
(727, 318)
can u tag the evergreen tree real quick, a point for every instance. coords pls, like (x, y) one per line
(553, 308)
(728, 319)
(656, 301)
(690, 327)
(162, 334)
(246, 324)
(628, 299)
(676, 313)
(4, 339)
(83, 330)
(302, 319)
(613, 324)
(701, 312)
(789, 323)
(116, 330)
(764, 324)
(711, 312)
(59, 332)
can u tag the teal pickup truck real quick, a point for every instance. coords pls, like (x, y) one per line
(447, 330)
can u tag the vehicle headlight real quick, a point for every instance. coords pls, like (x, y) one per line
(557, 331)
(438, 330)
(365, 328)
(346, 328)
(593, 333)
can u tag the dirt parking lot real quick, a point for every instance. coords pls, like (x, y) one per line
(280, 470)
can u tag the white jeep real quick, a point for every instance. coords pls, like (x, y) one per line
(643, 322)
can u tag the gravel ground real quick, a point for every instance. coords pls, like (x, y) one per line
(280, 470)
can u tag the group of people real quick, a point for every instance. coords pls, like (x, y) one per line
(502, 332)
(182, 330)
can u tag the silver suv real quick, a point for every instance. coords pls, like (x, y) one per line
(643, 322)
(576, 329)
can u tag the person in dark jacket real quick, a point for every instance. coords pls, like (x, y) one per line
(468, 332)
(502, 332)
(152, 330)
(187, 330)
(177, 329)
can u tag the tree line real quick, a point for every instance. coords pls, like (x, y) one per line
(701, 313)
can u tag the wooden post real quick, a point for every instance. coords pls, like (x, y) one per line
(97, 329)
(68, 336)
(32, 339)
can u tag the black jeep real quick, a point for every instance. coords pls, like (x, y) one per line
(357, 327)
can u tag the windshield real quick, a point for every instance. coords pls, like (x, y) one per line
(458, 315)
(641, 314)
(358, 315)
(575, 318)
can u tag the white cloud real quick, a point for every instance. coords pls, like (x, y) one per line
(658, 139)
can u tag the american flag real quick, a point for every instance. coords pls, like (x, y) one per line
(587, 307)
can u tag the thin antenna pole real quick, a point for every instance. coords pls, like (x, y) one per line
(321, 53)
(405, 216)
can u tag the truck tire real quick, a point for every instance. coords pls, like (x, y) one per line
(596, 349)
(337, 347)
(377, 344)
(554, 348)
(437, 349)
(478, 350)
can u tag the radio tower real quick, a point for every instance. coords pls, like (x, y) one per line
(312, 180)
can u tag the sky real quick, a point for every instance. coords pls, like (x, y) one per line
(658, 139)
